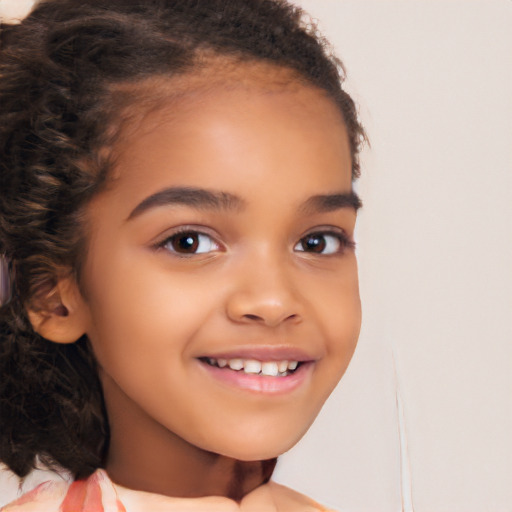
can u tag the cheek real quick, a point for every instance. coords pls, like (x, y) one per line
(339, 304)
(339, 317)
(133, 313)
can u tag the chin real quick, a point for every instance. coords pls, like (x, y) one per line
(262, 445)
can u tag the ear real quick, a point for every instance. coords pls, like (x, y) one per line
(62, 316)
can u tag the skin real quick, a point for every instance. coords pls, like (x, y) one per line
(151, 312)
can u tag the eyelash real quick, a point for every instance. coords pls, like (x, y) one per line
(341, 240)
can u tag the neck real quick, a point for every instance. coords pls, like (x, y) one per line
(144, 455)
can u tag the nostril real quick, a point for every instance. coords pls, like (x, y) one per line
(293, 319)
(256, 318)
(253, 317)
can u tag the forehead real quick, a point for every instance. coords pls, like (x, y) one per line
(230, 135)
(135, 108)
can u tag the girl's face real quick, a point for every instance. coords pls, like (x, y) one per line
(225, 241)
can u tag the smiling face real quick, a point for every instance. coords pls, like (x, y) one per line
(225, 241)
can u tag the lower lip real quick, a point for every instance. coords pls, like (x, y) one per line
(260, 383)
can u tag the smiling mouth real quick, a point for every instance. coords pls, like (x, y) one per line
(254, 367)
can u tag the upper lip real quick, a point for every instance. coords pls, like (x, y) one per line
(264, 353)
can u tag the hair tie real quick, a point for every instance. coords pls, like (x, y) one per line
(5, 280)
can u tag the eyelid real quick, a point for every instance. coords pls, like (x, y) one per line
(331, 230)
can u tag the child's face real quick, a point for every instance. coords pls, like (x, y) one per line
(252, 262)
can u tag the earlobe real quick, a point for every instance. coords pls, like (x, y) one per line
(62, 317)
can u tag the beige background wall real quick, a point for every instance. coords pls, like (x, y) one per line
(423, 419)
(12, 9)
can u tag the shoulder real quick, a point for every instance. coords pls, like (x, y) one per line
(16, 492)
(274, 496)
(96, 493)
(46, 497)
(271, 497)
(99, 494)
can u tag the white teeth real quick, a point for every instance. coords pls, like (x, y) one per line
(282, 366)
(236, 364)
(269, 369)
(252, 366)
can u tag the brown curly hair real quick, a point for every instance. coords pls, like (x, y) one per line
(59, 73)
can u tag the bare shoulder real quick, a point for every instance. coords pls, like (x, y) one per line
(279, 498)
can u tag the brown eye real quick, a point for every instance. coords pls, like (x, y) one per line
(186, 242)
(320, 243)
(314, 243)
(190, 243)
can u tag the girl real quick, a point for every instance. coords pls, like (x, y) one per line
(176, 229)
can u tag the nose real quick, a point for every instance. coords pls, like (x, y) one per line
(265, 295)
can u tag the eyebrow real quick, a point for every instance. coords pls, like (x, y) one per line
(199, 198)
(204, 199)
(331, 202)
